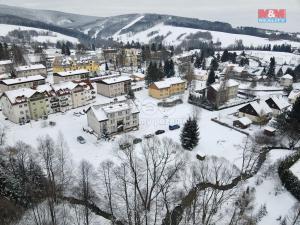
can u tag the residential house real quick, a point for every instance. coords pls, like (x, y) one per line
(129, 57)
(257, 112)
(219, 93)
(112, 118)
(77, 62)
(167, 87)
(278, 105)
(200, 74)
(286, 80)
(113, 87)
(111, 55)
(6, 66)
(242, 123)
(31, 70)
(70, 75)
(294, 94)
(22, 82)
(15, 104)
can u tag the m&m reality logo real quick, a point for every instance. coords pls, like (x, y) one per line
(272, 15)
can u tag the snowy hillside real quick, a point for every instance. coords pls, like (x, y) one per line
(53, 37)
(175, 35)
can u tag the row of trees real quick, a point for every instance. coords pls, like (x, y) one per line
(156, 72)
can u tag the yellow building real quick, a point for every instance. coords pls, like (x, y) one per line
(70, 63)
(167, 88)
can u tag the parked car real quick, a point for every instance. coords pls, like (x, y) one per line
(125, 145)
(81, 140)
(51, 123)
(149, 136)
(174, 127)
(158, 132)
(137, 140)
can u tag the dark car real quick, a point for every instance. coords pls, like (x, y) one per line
(137, 140)
(124, 146)
(174, 127)
(158, 132)
(81, 140)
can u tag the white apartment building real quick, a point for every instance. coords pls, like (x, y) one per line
(31, 70)
(114, 87)
(70, 76)
(21, 82)
(112, 118)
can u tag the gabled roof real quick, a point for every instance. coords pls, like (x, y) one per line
(245, 121)
(260, 108)
(19, 95)
(294, 94)
(287, 76)
(115, 80)
(168, 82)
(280, 102)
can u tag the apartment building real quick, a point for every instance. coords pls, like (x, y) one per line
(167, 87)
(77, 62)
(113, 118)
(114, 87)
(21, 82)
(6, 66)
(70, 75)
(25, 104)
(31, 70)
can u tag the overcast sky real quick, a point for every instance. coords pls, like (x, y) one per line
(237, 12)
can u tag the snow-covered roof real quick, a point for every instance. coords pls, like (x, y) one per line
(101, 111)
(245, 121)
(65, 85)
(294, 94)
(5, 76)
(5, 62)
(238, 69)
(30, 67)
(139, 75)
(261, 108)
(229, 83)
(71, 73)
(168, 82)
(23, 80)
(270, 129)
(280, 102)
(19, 95)
(116, 80)
(287, 76)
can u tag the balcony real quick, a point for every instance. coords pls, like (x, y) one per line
(54, 100)
(64, 104)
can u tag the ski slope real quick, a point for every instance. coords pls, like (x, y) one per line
(52, 38)
(175, 35)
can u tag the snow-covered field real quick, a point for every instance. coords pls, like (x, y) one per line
(215, 140)
(296, 169)
(175, 35)
(5, 29)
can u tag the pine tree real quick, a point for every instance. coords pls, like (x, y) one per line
(198, 62)
(68, 52)
(271, 71)
(172, 69)
(63, 49)
(106, 66)
(211, 77)
(190, 134)
(131, 94)
(225, 56)
(214, 64)
(203, 64)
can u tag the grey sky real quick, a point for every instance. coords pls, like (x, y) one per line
(237, 12)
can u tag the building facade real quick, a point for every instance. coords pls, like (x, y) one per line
(70, 76)
(31, 70)
(114, 87)
(22, 82)
(113, 118)
(166, 88)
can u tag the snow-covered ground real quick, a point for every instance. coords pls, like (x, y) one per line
(175, 35)
(296, 169)
(215, 140)
(5, 29)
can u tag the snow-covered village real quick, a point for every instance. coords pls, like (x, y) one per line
(148, 119)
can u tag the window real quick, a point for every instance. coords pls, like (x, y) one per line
(20, 106)
(21, 112)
